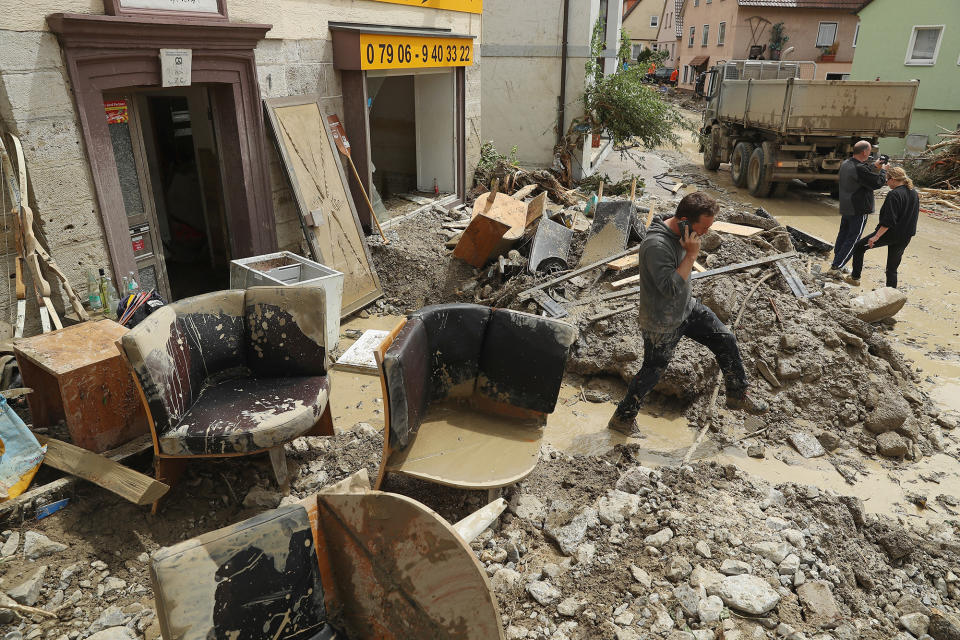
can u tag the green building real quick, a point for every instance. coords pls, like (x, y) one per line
(923, 43)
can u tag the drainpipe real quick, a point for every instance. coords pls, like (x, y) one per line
(561, 111)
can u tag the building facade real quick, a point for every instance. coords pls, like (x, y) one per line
(172, 182)
(727, 29)
(532, 81)
(923, 44)
(641, 22)
(671, 27)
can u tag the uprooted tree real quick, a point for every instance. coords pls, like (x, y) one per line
(621, 106)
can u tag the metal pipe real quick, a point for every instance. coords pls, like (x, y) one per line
(562, 108)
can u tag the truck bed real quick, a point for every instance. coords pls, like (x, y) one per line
(819, 107)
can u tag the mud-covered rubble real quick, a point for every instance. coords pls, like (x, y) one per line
(604, 548)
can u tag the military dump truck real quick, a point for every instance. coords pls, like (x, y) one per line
(773, 125)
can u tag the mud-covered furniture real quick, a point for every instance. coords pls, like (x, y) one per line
(232, 373)
(467, 390)
(363, 565)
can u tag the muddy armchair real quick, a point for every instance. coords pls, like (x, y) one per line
(466, 392)
(232, 373)
(349, 560)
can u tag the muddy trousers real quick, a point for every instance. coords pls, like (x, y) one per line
(701, 325)
(894, 256)
(851, 228)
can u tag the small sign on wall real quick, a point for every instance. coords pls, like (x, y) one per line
(116, 111)
(175, 67)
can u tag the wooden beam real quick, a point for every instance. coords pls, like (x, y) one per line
(741, 265)
(526, 295)
(735, 229)
(101, 470)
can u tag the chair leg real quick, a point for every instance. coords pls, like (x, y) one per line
(278, 459)
(323, 426)
(167, 471)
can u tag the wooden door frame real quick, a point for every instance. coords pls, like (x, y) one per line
(110, 53)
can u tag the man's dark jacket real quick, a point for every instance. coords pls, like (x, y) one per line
(857, 184)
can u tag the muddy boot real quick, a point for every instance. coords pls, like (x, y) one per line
(852, 281)
(626, 426)
(746, 402)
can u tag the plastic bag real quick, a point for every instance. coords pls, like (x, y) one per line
(20, 453)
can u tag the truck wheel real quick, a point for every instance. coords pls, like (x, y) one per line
(739, 161)
(711, 150)
(758, 180)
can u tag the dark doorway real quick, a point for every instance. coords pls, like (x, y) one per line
(181, 154)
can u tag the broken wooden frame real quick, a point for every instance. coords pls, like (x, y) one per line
(375, 565)
(327, 213)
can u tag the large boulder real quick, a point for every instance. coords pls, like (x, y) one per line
(819, 606)
(892, 445)
(889, 415)
(878, 304)
(747, 593)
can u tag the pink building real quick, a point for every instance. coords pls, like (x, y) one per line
(706, 31)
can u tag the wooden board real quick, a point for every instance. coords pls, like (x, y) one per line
(735, 229)
(479, 240)
(320, 188)
(624, 263)
(535, 208)
(359, 357)
(101, 470)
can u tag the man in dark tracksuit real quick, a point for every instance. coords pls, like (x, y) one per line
(897, 226)
(668, 311)
(857, 184)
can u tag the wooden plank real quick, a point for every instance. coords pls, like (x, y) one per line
(735, 229)
(622, 264)
(102, 471)
(61, 485)
(319, 184)
(359, 357)
(535, 208)
(525, 295)
(479, 240)
(523, 192)
(616, 284)
(699, 268)
(612, 312)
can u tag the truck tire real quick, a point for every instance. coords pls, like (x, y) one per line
(711, 150)
(739, 161)
(758, 174)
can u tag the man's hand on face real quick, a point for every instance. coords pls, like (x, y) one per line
(690, 241)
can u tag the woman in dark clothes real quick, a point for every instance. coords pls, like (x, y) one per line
(897, 226)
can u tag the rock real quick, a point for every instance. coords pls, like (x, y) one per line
(820, 607)
(829, 440)
(595, 395)
(711, 241)
(112, 584)
(806, 445)
(662, 621)
(757, 451)
(677, 568)
(721, 298)
(709, 610)
(10, 546)
(586, 553)
(776, 524)
(915, 623)
(702, 577)
(28, 591)
(703, 549)
(114, 633)
(794, 537)
(703, 634)
(775, 552)
(112, 616)
(734, 567)
(635, 478)
(617, 506)
(570, 607)
(569, 536)
(892, 445)
(260, 498)
(680, 635)
(943, 626)
(746, 593)
(688, 599)
(908, 604)
(543, 592)
(889, 415)
(788, 369)
(659, 538)
(515, 633)
(36, 545)
(625, 634)
(528, 507)
(505, 580)
(878, 304)
(790, 565)
(625, 619)
(947, 422)
(641, 576)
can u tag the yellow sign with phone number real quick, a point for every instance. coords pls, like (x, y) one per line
(382, 51)
(469, 6)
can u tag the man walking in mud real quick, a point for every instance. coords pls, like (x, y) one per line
(668, 311)
(857, 184)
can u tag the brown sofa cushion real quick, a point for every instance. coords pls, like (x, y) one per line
(285, 331)
(406, 366)
(455, 338)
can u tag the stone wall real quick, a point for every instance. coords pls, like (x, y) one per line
(36, 104)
